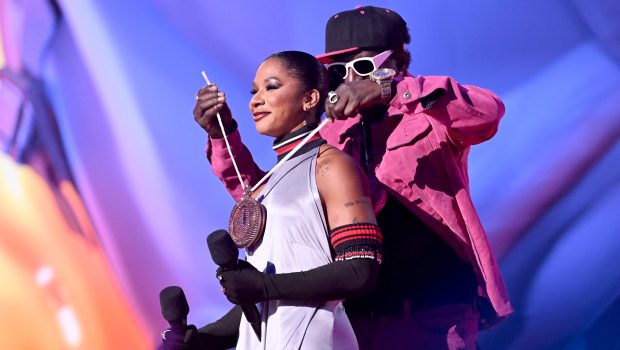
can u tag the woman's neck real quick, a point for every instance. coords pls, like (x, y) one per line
(284, 144)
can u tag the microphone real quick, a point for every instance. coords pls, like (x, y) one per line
(174, 308)
(225, 254)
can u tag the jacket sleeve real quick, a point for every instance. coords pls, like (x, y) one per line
(222, 165)
(470, 114)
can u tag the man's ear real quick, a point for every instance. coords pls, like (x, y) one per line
(311, 99)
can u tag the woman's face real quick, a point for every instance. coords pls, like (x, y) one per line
(277, 101)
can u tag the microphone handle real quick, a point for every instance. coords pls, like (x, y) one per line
(230, 266)
(178, 326)
(249, 310)
(253, 316)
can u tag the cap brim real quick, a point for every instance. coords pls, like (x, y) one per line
(327, 57)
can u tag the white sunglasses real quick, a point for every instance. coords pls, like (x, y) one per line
(362, 66)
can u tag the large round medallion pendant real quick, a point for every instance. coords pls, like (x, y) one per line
(247, 221)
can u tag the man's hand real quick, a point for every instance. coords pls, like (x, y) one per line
(353, 96)
(209, 102)
(244, 285)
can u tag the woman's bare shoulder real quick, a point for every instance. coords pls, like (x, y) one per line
(332, 159)
(343, 188)
(337, 168)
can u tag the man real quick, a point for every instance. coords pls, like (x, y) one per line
(412, 136)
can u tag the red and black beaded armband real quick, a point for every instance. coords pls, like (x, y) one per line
(356, 241)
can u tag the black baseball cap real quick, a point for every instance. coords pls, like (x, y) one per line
(363, 27)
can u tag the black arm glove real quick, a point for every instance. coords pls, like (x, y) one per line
(358, 253)
(223, 333)
(219, 335)
(336, 280)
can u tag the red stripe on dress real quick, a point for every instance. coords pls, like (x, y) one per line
(371, 233)
(292, 145)
(344, 240)
(374, 231)
(354, 228)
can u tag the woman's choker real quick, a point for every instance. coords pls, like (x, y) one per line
(283, 145)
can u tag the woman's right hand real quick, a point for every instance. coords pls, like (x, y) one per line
(209, 102)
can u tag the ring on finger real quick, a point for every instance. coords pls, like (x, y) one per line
(332, 97)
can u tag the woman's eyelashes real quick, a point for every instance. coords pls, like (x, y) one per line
(270, 86)
(253, 89)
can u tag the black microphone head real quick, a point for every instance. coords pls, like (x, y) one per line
(223, 250)
(173, 304)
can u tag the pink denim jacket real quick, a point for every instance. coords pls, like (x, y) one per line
(421, 151)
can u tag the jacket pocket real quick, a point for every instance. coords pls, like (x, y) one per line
(410, 130)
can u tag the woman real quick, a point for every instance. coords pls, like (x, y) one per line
(318, 211)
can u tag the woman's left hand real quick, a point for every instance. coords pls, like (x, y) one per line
(244, 285)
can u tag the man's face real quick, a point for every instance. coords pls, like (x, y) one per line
(352, 75)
